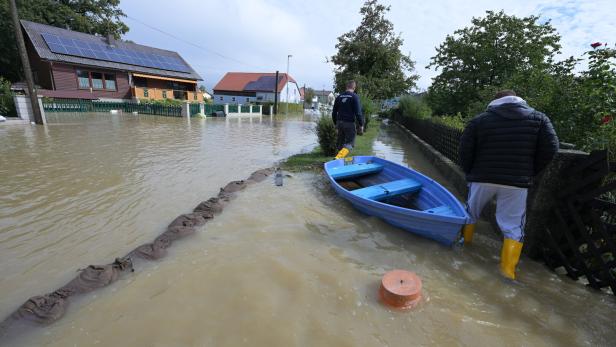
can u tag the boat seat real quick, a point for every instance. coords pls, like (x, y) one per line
(354, 170)
(441, 210)
(387, 190)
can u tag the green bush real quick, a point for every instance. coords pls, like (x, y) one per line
(415, 107)
(368, 108)
(456, 121)
(7, 104)
(326, 134)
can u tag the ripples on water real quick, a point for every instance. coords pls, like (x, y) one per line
(281, 266)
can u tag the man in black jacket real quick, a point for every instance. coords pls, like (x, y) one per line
(347, 116)
(501, 150)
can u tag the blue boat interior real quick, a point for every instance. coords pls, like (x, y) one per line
(376, 182)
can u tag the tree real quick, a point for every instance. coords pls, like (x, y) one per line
(308, 95)
(485, 55)
(89, 16)
(371, 55)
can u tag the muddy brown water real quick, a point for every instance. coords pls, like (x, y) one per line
(281, 266)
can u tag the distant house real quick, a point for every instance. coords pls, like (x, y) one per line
(70, 64)
(324, 96)
(255, 87)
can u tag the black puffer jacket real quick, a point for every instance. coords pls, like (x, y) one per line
(508, 144)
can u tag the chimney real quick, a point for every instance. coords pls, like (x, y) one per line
(111, 40)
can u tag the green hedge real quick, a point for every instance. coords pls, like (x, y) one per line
(7, 103)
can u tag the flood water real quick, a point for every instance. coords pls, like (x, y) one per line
(281, 266)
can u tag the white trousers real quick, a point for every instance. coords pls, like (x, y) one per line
(510, 206)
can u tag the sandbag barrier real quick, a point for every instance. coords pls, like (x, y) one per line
(48, 308)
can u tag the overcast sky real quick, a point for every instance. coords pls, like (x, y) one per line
(257, 35)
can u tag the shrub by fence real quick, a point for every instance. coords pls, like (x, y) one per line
(443, 138)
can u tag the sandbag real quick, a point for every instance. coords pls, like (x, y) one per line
(212, 205)
(97, 276)
(42, 309)
(260, 175)
(234, 186)
(45, 309)
(150, 251)
(190, 220)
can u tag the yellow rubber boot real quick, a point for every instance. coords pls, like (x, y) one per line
(343, 153)
(467, 233)
(510, 255)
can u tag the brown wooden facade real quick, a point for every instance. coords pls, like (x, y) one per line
(109, 84)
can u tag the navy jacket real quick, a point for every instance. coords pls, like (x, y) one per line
(347, 108)
(507, 144)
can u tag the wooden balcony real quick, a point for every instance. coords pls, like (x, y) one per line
(161, 94)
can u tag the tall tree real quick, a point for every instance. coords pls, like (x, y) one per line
(308, 95)
(485, 55)
(371, 55)
(89, 16)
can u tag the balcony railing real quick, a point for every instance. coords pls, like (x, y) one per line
(161, 94)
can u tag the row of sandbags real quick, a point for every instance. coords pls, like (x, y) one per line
(48, 308)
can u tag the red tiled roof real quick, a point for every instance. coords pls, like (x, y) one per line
(237, 81)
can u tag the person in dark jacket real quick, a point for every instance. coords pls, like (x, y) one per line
(501, 150)
(348, 118)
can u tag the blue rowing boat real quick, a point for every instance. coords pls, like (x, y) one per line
(399, 195)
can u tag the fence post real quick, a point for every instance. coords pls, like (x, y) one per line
(250, 109)
(260, 109)
(226, 109)
(40, 102)
(186, 109)
(202, 108)
(271, 112)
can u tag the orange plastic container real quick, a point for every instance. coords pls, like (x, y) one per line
(400, 289)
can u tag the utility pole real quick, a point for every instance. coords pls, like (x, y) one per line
(276, 94)
(288, 79)
(25, 63)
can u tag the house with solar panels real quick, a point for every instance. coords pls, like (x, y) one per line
(255, 87)
(74, 65)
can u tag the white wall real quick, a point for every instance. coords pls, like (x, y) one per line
(233, 99)
(294, 96)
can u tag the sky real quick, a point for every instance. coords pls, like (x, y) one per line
(221, 36)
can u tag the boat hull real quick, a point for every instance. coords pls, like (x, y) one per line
(443, 228)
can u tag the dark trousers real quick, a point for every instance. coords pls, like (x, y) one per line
(346, 135)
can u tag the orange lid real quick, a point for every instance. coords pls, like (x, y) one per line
(400, 289)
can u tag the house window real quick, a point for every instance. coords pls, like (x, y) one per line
(146, 94)
(164, 94)
(84, 79)
(221, 98)
(110, 83)
(233, 98)
(247, 99)
(194, 96)
(97, 80)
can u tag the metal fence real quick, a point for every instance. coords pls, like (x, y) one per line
(75, 105)
(443, 138)
(194, 109)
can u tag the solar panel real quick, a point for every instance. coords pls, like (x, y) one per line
(81, 48)
(263, 83)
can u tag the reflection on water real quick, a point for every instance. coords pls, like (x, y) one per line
(282, 266)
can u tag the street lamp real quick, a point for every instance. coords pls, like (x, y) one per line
(288, 58)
